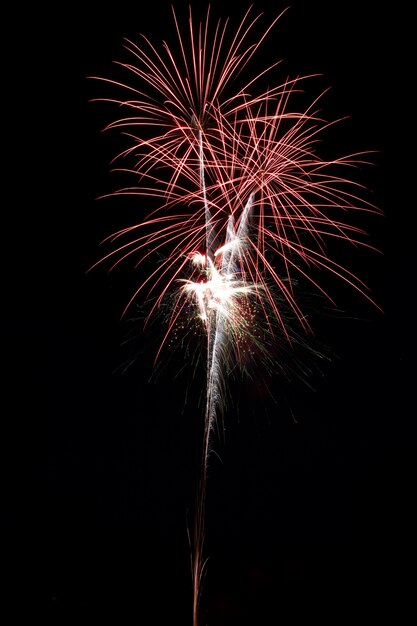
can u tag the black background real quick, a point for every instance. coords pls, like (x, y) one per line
(310, 502)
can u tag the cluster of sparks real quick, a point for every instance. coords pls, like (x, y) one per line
(220, 293)
(246, 204)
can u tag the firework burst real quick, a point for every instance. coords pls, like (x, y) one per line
(246, 203)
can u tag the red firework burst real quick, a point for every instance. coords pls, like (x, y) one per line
(247, 204)
(206, 152)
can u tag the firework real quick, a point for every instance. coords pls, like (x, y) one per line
(246, 203)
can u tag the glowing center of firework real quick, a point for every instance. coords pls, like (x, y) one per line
(219, 291)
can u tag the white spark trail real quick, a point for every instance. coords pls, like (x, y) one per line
(217, 299)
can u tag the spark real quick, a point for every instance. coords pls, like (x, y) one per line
(220, 293)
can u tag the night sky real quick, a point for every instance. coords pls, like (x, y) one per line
(310, 510)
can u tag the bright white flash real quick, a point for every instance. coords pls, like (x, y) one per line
(198, 259)
(218, 291)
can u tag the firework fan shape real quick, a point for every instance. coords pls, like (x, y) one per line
(246, 204)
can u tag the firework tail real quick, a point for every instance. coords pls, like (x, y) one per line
(216, 340)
